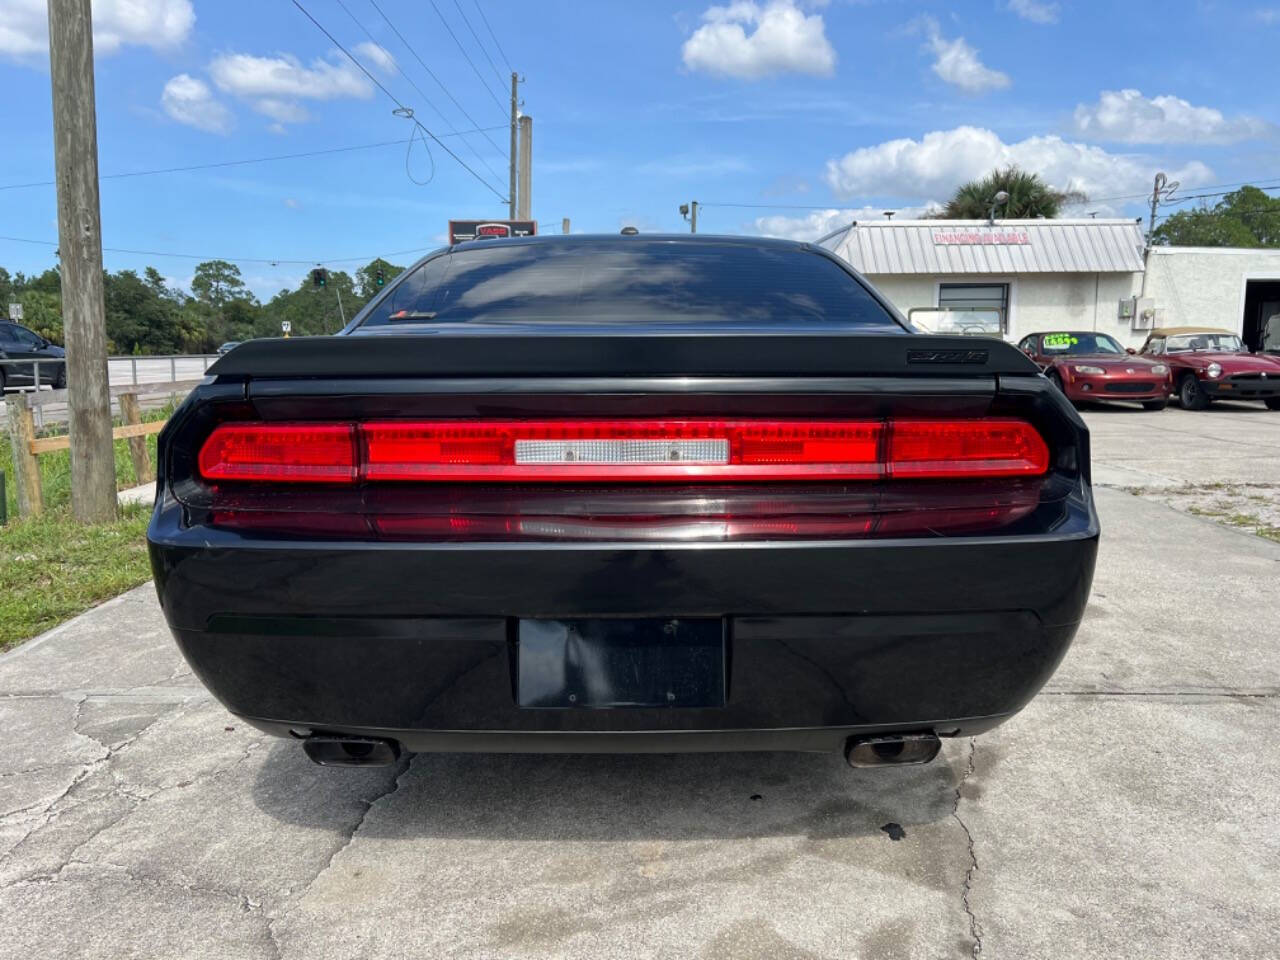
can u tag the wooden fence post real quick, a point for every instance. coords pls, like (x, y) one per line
(131, 411)
(26, 468)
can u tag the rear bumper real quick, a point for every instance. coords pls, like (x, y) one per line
(823, 640)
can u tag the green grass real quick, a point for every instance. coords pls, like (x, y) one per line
(52, 568)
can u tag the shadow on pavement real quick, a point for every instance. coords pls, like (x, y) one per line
(614, 797)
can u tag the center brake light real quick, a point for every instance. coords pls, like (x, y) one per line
(621, 451)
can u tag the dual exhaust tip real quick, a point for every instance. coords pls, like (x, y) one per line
(899, 749)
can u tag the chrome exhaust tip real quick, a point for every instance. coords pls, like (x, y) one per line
(351, 751)
(896, 749)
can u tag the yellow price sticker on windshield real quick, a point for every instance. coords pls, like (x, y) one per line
(1060, 340)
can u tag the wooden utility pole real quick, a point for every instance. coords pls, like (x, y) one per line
(524, 209)
(515, 109)
(564, 225)
(75, 147)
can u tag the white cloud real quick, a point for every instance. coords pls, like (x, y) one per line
(784, 40)
(957, 63)
(190, 101)
(284, 75)
(933, 166)
(819, 223)
(282, 111)
(1126, 116)
(160, 24)
(380, 57)
(274, 86)
(1035, 10)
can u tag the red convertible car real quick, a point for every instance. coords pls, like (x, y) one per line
(1210, 363)
(1093, 366)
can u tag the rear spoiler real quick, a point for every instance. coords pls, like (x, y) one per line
(624, 355)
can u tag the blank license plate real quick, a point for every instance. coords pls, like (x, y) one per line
(621, 663)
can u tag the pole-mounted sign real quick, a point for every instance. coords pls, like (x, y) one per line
(15, 312)
(462, 230)
(285, 327)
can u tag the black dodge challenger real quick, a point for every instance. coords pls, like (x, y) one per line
(628, 493)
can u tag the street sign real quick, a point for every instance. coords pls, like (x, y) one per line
(15, 312)
(462, 230)
(285, 326)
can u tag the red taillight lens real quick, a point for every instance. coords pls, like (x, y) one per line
(514, 451)
(280, 452)
(581, 450)
(966, 448)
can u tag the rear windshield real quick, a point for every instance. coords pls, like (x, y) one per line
(631, 282)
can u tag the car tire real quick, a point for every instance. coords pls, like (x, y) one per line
(1273, 403)
(1154, 404)
(1191, 395)
(2, 383)
(60, 381)
(1055, 378)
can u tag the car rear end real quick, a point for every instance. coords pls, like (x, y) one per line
(536, 539)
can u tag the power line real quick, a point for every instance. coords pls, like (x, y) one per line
(480, 10)
(420, 91)
(396, 100)
(474, 36)
(438, 82)
(273, 261)
(236, 163)
(476, 70)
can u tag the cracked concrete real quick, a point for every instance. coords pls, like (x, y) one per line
(1128, 811)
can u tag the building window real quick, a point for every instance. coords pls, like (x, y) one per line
(977, 307)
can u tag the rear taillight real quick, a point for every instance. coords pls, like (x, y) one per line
(281, 453)
(621, 451)
(585, 450)
(966, 448)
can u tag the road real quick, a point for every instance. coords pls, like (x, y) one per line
(1128, 811)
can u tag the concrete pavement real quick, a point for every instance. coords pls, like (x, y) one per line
(1128, 811)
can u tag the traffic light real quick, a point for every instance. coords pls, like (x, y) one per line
(319, 277)
(379, 277)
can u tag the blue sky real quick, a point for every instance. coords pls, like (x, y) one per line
(850, 108)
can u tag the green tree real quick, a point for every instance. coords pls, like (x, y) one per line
(215, 282)
(367, 278)
(42, 312)
(1247, 217)
(140, 319)
(1029, 197)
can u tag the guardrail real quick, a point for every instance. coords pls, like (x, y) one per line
(122, 372)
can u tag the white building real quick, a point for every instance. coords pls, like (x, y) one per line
(1015, 277)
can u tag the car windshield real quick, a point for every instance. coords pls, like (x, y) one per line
(1078, 343)
(1204, 342)
(634, 282)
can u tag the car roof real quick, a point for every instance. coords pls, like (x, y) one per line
(1178, 331)
(612, 239)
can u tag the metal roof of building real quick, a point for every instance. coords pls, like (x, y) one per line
(975, 247)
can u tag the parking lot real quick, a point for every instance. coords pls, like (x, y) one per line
(1129, 811)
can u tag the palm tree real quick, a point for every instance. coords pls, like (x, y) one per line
(1029, 197)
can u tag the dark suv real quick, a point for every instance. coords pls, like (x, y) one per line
(17, 343)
